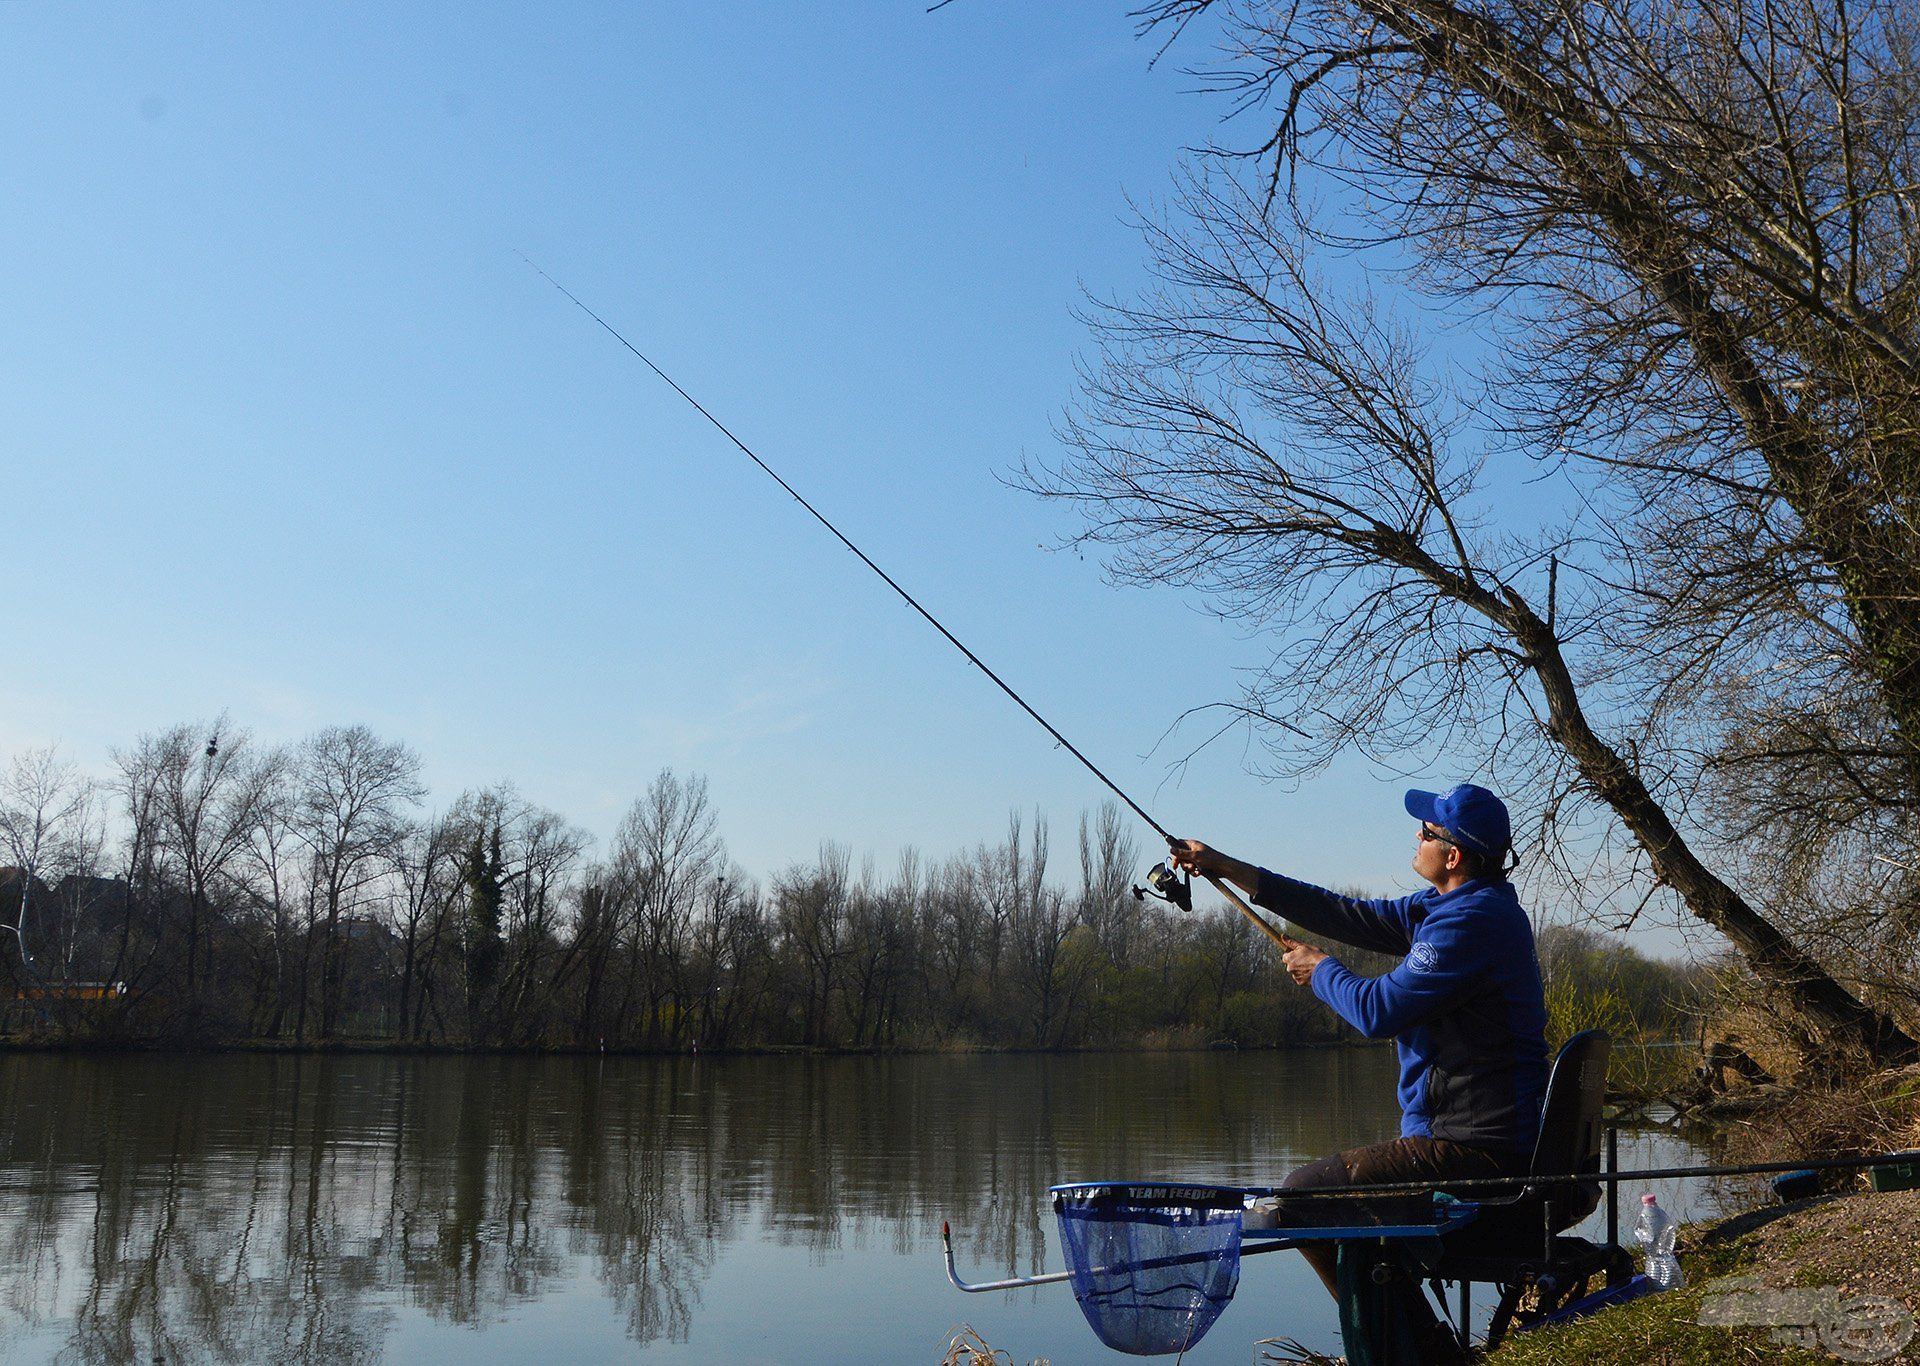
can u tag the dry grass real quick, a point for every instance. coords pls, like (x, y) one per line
(1877, 1114)
(968, 1348)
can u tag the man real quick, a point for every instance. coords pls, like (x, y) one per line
(1464, 1004)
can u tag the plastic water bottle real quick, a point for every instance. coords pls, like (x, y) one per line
(1655, 1232)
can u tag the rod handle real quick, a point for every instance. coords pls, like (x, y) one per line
(1266, 926)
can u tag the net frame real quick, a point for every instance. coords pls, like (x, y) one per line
(1153, 1264)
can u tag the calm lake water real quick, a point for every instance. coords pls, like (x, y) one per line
(472, 1210)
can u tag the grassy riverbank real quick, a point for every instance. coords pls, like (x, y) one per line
(1773, 1279)
(1846, 1251)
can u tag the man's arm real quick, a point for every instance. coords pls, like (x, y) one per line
(1432, 977)
(1379, 925)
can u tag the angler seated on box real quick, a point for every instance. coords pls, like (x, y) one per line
(1464, 1004)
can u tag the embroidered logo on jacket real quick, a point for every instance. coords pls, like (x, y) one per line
(1423, 958)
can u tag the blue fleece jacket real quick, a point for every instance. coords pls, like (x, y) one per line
(1464, 1004)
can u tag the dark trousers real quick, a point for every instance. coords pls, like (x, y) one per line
(1402, 1159)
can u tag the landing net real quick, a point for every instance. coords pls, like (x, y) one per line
(1152, 1264)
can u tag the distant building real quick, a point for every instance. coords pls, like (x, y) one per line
(74, 991)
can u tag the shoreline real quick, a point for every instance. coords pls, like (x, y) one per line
(1833, 1275)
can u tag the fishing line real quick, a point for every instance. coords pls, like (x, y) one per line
(865, 559)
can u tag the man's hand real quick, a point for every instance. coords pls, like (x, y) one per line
(1301, 960)
(1191, 856)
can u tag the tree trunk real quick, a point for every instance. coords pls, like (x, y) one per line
(1843, 1018)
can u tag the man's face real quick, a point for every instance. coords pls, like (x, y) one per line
(1433, 853)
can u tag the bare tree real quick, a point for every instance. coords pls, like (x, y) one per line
(427, 864)
(902, 914)
(1225, 945)
(668, 846)
(596, 932)
(882, 925)
(867, 955)
(272, 850)
(355, 790)
(79, 898)
(543, 848)
(1109, 860)
(953, 937)
(811, 905)
(42, 801)
(141, 788)
(1041, 923)
(995, 881)
(1688, 235)
(213, 792)
(737, 949)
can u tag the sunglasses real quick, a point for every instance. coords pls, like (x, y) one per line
(1427, 832)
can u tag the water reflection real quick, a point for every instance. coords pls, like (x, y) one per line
(255, 1208)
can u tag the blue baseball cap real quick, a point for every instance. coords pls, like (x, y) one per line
(1472, 815)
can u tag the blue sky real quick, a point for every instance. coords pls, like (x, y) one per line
(292, 431)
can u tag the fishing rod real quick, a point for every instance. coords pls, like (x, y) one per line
(1164, 882)
(1310, 1194)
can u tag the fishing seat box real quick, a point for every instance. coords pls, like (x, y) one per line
(1521, 1240)
(1898, 1176)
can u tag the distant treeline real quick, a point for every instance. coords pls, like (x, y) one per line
(214, 890)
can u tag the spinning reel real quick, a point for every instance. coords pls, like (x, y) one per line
(1166, 885)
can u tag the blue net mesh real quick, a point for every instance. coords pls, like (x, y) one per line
(1152, 1265)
